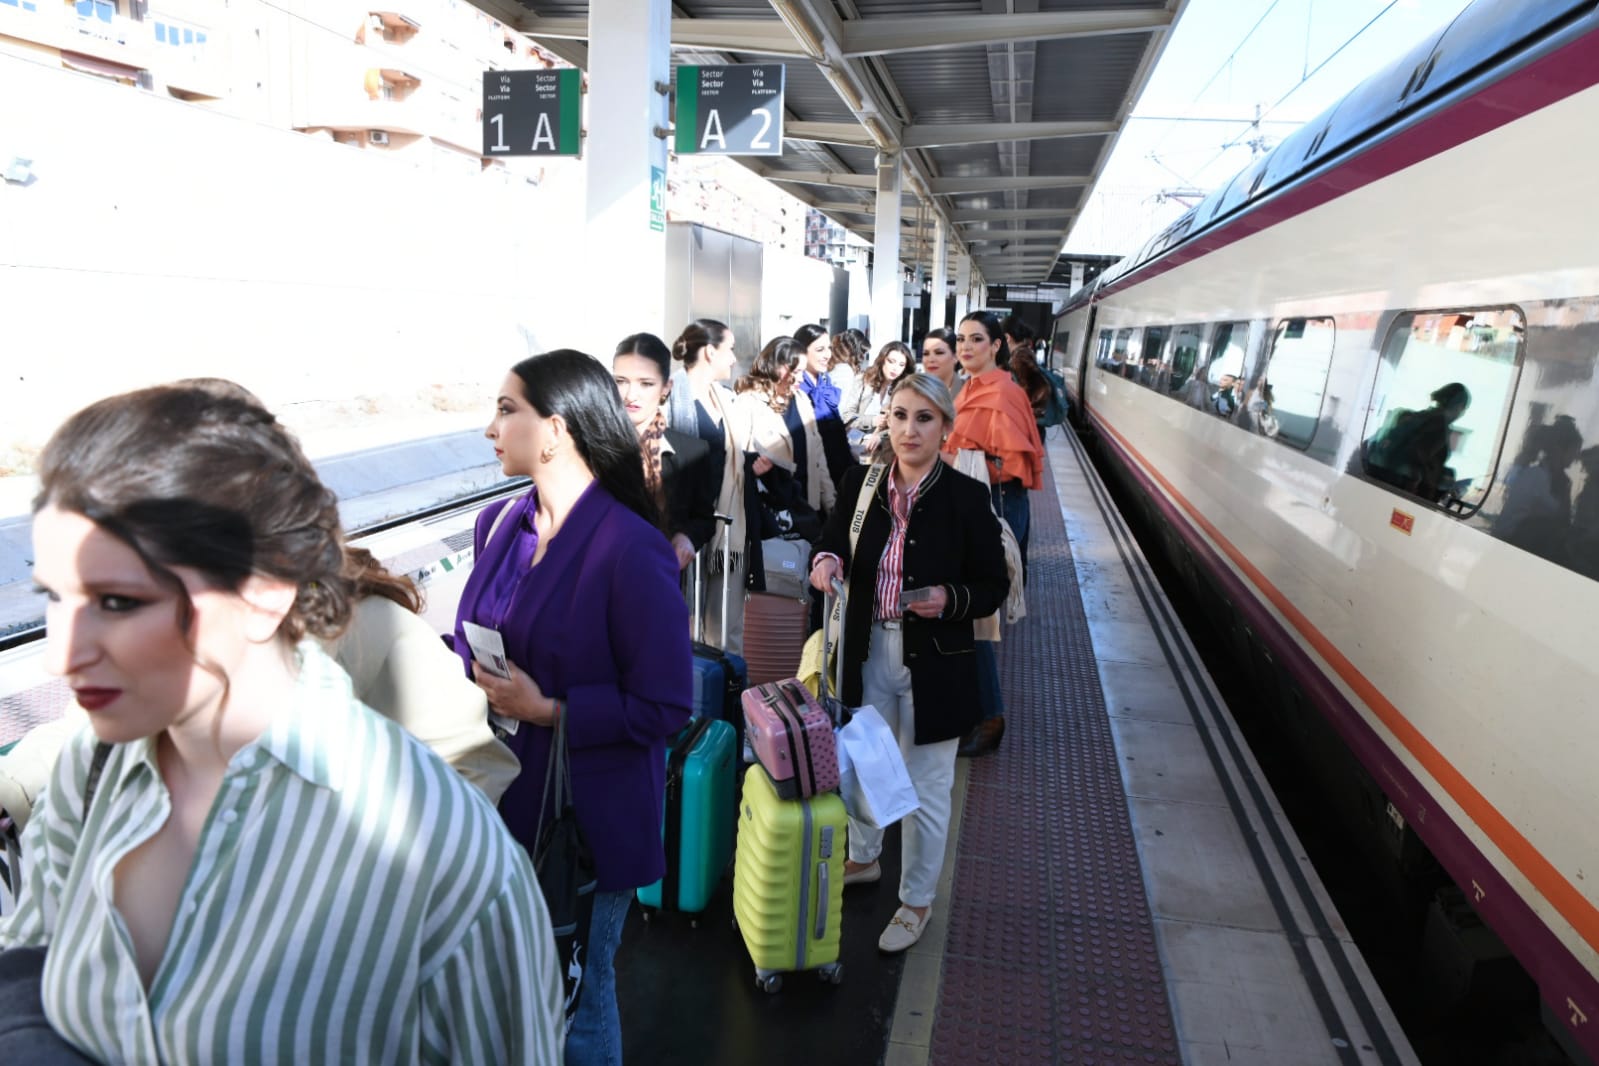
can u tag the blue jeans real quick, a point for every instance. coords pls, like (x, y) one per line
(989, 694)
(596, 1035)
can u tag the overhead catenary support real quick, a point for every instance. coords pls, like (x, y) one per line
(888, 294)
(955, 134)
(907, 211)
(870, 37)
(962, 186)
(859, 37)
(1010, 214)
(850, 133)
(625, 159)
(935, 302)
(821, 177)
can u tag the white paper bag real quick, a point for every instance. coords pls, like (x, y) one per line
(872, 779)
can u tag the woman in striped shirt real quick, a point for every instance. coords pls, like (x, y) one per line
(241, 863)
(925, 562)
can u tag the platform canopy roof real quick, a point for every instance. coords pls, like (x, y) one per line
(1006, 111)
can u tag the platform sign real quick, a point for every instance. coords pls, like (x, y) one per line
(658, 199)
(730, 109)
(532, 112)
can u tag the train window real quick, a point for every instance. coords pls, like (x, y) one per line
(1184, 357)
(1149, 368)
(1102, 352)
(1119, 352)
(1224, 374)
(1286, 402)
(1438, 408)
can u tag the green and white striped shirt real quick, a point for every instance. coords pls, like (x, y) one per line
(352, 900)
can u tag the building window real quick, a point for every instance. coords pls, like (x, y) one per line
(1439, 405)
(1286, 402)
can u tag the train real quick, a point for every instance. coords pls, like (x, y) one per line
(1356, 391)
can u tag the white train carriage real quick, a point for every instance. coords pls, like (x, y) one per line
(1359, 384)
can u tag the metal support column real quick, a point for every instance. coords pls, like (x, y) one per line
(935, 303)
(888, 293)
(963, 286)
(625, 157)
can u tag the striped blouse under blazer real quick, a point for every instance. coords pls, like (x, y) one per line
(352, 900)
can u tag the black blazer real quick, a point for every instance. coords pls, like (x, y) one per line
(953, 541)
(691, 488)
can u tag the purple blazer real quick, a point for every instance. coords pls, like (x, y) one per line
(601, 624)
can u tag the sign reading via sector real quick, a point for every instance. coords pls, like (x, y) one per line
(532, 112)
(730, 110)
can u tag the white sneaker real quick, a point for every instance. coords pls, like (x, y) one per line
(904, 929)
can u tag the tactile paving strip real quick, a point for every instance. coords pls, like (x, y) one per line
(1051, 954)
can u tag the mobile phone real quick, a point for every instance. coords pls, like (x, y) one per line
(910, 596)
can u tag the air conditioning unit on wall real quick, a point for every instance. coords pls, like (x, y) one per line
(378, 137)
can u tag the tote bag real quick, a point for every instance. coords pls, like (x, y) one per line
(565, 867)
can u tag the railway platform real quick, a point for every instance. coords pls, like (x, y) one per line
(1121, 885)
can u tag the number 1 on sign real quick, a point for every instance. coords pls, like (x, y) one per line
(499, 144)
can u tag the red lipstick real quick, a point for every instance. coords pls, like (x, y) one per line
(94, 699)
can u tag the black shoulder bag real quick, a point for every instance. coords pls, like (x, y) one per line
(25, 1032)
(565, 867)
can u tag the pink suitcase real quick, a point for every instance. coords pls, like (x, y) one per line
(792, 738)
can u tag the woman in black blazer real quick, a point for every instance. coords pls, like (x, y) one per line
(927, 561)
(677, 466)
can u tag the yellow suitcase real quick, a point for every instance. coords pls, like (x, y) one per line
(788, 880)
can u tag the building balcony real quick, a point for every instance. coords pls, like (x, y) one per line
(116, 39)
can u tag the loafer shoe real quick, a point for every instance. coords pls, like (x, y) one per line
(904, 929)
(865, 875)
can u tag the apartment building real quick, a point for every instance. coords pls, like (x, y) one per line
(389, 75)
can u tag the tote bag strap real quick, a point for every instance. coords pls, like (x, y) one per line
(874, 477)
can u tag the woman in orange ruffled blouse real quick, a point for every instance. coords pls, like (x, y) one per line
(994, 416)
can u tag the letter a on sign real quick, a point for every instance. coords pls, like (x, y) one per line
(543, 133)
(713, 131)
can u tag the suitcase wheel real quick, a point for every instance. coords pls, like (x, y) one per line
(833, 974)
(772, 982)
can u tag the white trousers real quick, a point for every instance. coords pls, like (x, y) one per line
(886, 685)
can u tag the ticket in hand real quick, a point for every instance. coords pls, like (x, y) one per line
(488, 651)
(910, 596)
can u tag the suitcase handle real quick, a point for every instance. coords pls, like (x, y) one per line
(822, 900)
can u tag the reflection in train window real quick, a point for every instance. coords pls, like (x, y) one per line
(1439, 405)
(1149, 367)
(1184, 356)
(1119, 352)
(1286, 402)
(1225, 372)
(1102, 352)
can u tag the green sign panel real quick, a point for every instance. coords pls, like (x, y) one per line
(730, 109)
(532, 112)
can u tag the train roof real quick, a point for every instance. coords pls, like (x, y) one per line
(1487, 35)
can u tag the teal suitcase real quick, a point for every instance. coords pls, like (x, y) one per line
(697, 826)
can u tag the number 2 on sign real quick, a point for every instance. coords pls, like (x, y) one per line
(760, 140)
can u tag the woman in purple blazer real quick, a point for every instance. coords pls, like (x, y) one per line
(583, 588)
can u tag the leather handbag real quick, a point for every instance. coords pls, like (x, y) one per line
(564, 864)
